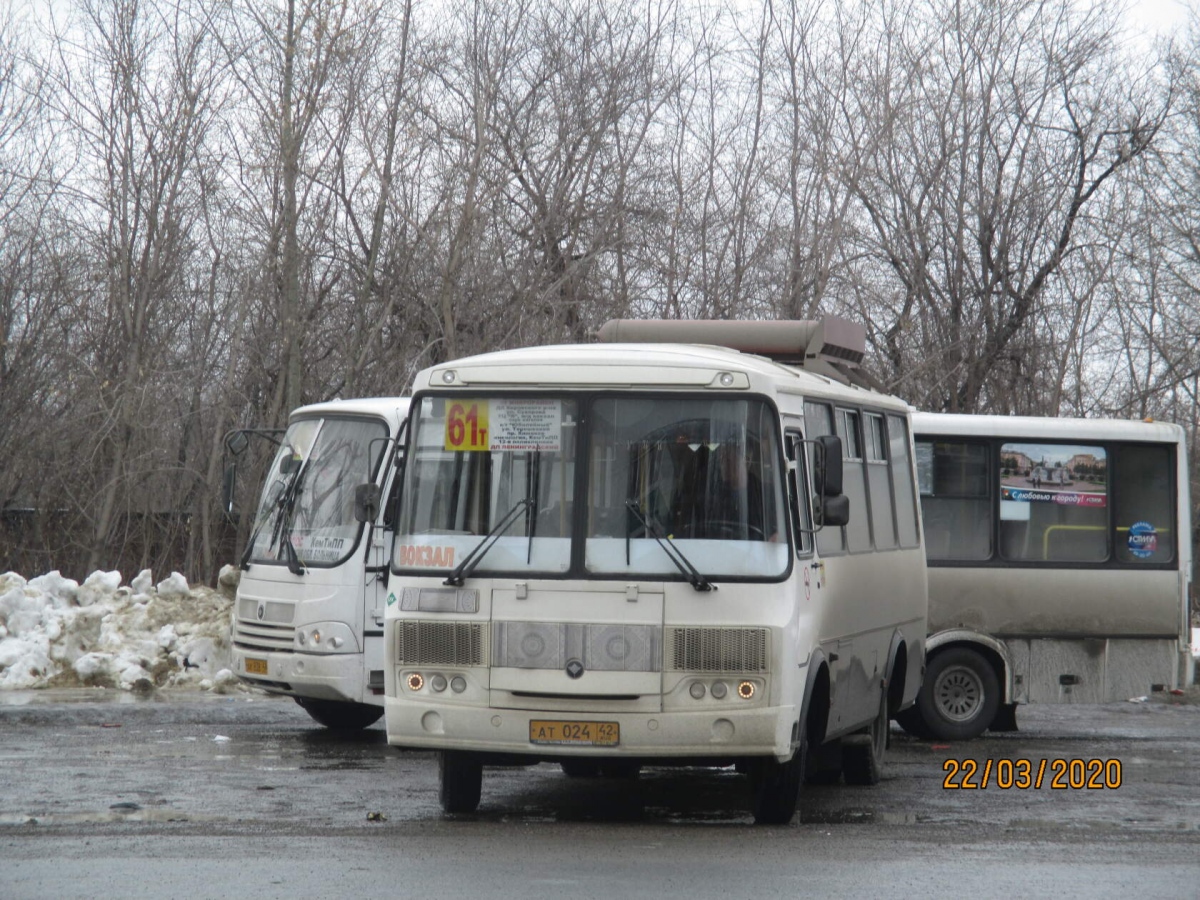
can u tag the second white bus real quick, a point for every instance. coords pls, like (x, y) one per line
(308, 617)
(1060, 559)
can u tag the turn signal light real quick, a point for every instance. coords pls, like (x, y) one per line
(415, 681)
(746, 689)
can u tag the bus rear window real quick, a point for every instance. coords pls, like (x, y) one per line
(1144, 505)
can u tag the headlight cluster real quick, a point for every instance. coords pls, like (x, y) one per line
(745, 689)
(325, 637)
(436, 682)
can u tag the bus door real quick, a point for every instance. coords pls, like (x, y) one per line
(811, 583)
(377, 564)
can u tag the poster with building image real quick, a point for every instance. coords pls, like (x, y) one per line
(1065, 474)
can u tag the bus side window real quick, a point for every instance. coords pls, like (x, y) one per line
(798, 493)
(883, 524)
(818, 420)
(854, 482)
(955, 499)
(902, 483)
(1145, 509)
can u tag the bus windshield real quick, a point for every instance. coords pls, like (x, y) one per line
(704, 474)
(308, 500)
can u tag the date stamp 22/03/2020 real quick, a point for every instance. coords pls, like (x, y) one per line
(1025, 774)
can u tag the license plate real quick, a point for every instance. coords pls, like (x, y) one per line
(256, 666)
(587, 734)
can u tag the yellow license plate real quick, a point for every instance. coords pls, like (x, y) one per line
(256, 666)
(588, 734)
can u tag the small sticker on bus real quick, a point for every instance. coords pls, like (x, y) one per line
(1143, 540)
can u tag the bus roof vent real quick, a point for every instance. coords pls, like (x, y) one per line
(796, 341)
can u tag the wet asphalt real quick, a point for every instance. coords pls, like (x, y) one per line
(195, 795)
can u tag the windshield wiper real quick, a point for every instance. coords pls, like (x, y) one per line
(698, 581)
(472, 559)
(281, 534)
(284, 505)
(533, 491)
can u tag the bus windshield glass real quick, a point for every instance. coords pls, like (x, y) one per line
(704, 474)
(477, 462)
(309, 495)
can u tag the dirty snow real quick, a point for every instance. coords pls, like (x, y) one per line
(56, 632)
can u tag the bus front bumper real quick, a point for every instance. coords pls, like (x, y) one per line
(724, 733)
(331, 676)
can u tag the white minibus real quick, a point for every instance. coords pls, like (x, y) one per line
(654, 550)
(308, 616)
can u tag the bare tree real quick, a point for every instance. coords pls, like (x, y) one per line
(1004, 123)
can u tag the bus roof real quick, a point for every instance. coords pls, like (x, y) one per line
(393, 409)
(963, 425)
(646, 366)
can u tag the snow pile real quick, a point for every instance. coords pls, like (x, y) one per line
(55, 632)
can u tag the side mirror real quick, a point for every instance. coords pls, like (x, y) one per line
(236, 443)
(366, 502)
(829, 465)
(835, 511)
(228, 481)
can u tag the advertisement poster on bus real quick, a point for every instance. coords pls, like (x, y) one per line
(1064, 474)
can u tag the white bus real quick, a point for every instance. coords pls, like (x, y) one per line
(308, 617)
(1059, 556)
(617, 554)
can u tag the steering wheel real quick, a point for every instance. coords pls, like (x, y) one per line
(723, 530)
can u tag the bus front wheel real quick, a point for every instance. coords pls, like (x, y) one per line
(338, 716)
(960, 695)
(776, 786)
(461, 781)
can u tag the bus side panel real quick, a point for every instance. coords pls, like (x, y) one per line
(1078, 602)
(1091, 670)
(866, 598)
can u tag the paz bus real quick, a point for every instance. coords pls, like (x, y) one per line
(1060, 558)
(308, 615)
(654, 551)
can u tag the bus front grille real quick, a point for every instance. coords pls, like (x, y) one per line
(421, 643)
(253, 636)
(734, 650)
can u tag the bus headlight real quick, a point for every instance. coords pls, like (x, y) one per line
(746, 690)
(326, 637)
(719, 690)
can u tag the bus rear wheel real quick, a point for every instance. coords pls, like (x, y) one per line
(461, 781)
(338, 716)
(960, 695)
(862, 754)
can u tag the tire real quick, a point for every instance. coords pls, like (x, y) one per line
(461, 781)
(776, 786)
(620, 768)
(580, 768)
(1005, 718)
(910, 720)
(960, 695)
(824, 765)
(341, 716)
(862, 754)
